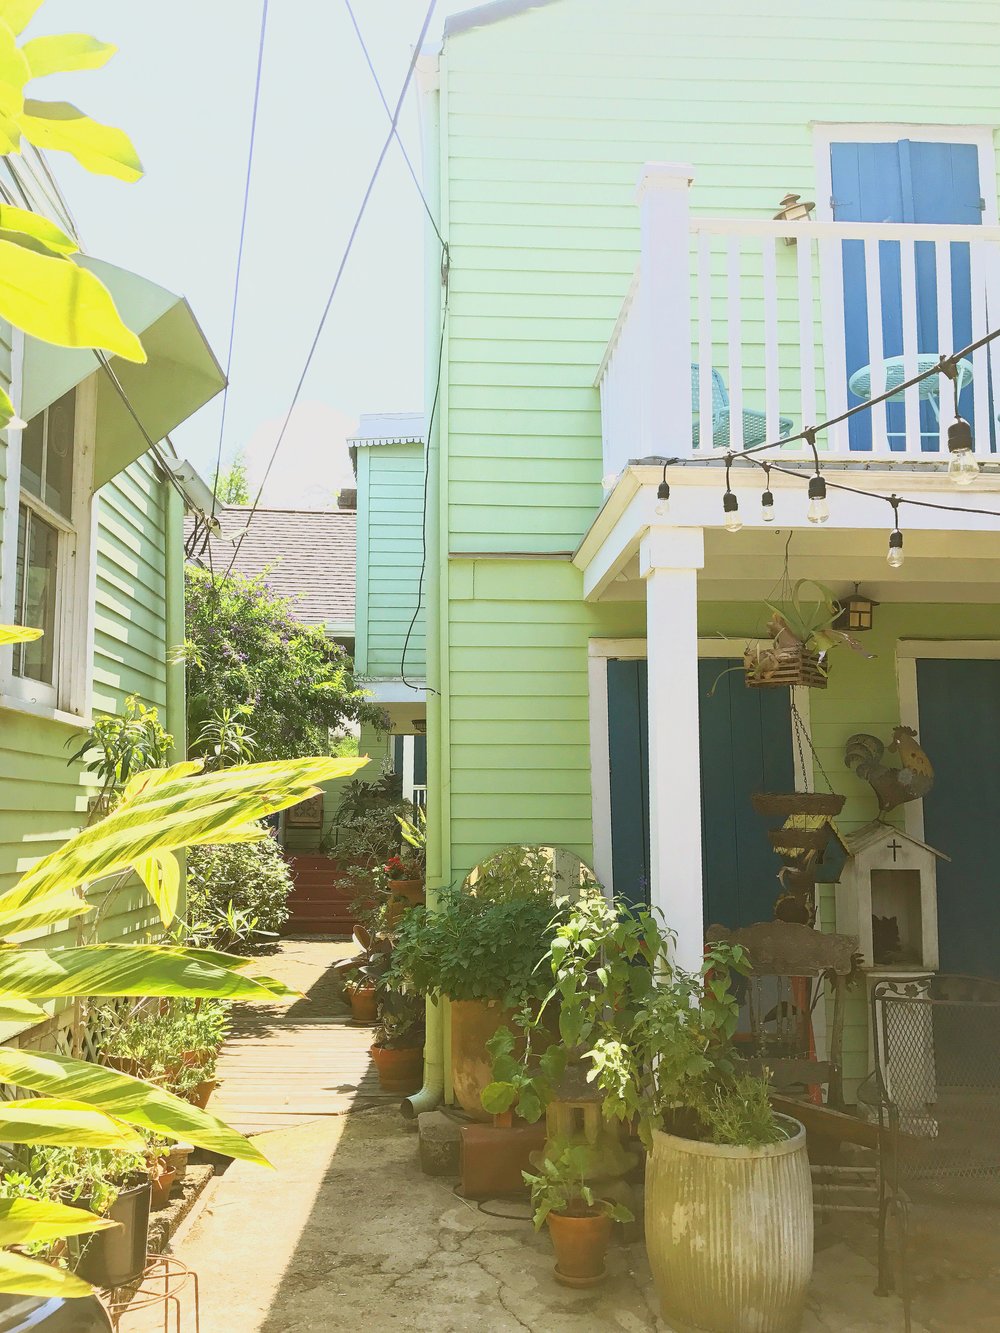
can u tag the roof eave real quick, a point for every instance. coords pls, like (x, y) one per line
(493, 12)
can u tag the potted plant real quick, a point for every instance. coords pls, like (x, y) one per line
(398, 1047)
(579, 1220)
(659, 1042)
(407, 870)
(480, 948)
(801, 637)
(363, 971)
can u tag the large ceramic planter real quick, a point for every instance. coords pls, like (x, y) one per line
(399, 1070)
(473, 1023)
(729, 1233)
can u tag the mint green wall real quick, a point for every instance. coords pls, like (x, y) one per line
(390, 516)
(43, 797)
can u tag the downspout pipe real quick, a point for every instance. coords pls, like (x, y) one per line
(431, 1094)
(174, 631)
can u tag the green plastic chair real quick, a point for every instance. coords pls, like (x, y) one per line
(754, 422)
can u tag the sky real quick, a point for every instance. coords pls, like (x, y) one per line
(182, 86)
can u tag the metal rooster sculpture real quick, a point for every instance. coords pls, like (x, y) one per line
(893, 786)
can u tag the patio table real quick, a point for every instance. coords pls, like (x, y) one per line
(894, 374)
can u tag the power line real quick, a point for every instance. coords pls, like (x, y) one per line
(402, 147)
(337, 277)
(239, 251)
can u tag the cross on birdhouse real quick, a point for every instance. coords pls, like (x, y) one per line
(894, 847)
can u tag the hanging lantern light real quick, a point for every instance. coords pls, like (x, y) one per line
(857, 614)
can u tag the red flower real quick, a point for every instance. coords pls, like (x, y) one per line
(393, 866)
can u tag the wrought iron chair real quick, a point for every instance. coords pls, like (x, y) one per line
(754, 421)
(936, 1089)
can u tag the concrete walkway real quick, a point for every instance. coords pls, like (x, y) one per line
(347, 1233)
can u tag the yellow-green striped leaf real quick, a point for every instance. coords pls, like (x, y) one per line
(121, 970)
(173, 809)
(30, 1277)
(13, 1010)
(39, 228)
(14, 74)
(62, 127)
(17, 14)
(58, 1120)
(65, 52)
(162, 877)
(126, 1098)
(64, 907)
(28, 1221)
(18, 634)
(54, 299)
(8, 417)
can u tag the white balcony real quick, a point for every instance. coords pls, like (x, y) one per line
(793, 334)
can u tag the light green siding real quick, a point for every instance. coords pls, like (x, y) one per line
(390, 547)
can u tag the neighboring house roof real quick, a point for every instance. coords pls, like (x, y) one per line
(388, 428)
(309, 555)
(490, 13)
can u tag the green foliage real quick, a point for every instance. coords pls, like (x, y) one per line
(519, 872)
(245, 649)
(120, 745)
(237, 893)
(400, 1023)
(226, 739)
(520, 1081)
(71, 1175)
(739, 1111)
(232, 487)
(367, 829)
(180, 1038)
(415, 837)
(561, 1186)
(473, 948)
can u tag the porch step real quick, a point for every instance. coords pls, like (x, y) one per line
(845, 1189)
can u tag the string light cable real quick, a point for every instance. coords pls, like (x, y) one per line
(261, 41)
(348, 248)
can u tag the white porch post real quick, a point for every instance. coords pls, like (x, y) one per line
(665, 309)
(669, 559)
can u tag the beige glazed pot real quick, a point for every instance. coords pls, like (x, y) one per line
(473, 1023)
(729, 1232)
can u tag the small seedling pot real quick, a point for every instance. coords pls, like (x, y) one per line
(162, 1187)
(580, 1242)
(364, 1005)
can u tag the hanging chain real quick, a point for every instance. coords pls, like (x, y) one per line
(801, 730)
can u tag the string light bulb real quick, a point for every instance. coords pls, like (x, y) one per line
(819, 510)
(663, 495)
(767, 498)
(731, 508)
(963, 469)
(895, 553)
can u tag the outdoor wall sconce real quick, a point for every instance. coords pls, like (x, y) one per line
(857, 614)
(794, 209)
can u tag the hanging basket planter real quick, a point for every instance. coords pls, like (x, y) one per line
(797, 803)
(799, 839)
(768, 667)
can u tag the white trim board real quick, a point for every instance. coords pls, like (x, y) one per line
(908, 652)
(600, 651)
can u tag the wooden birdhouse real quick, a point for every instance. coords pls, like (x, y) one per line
(887, 896)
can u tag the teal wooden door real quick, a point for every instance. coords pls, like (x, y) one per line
(959, 705)
(746, 746)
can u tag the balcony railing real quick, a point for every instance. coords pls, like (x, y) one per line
(735, 332)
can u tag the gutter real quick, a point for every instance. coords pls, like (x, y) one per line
(428, 72)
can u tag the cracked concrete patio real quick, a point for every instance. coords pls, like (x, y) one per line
(347, 1232)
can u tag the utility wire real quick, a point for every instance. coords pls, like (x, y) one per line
(402, 147)
(337, 277)
(239, 252)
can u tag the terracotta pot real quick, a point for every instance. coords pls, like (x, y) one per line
(580, 1243)
(201, 1092)
(364, 1004)
(124, 1064)
(741, 1257)
(399, 1070)
(473, 1023)
(161, 1187)
(410, 889)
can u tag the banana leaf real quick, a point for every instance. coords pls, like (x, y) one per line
(28, 1221)
(64, 1123)
(30, 1277)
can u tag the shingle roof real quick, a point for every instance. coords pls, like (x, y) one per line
(309, 554)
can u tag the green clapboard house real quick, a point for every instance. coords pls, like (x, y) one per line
(91, 551)
(633, 295)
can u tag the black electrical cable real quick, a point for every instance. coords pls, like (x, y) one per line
(337, 277)
(239, 250)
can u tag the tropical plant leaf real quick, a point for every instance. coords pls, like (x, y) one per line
(17, 14)
(63, 908)
(13, 1010)
(25, 223)
(120, 970)
(8, 417)
(14, 74)
(60, 126)
(18, 634)
(56, 300)
(28, 1221)
(64, 53)
(162, 877)
(30, 1277)
(498, 1097)
(125, 1098)
(60, 1121)
(173, 809)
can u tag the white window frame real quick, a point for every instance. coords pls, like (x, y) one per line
(68, 699)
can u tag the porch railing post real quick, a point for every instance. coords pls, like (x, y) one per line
(669, 560)
(664, 344)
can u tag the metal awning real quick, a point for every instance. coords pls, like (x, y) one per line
(180, 375)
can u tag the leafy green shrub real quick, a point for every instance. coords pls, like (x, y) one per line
(183, 1035)
(237, 893)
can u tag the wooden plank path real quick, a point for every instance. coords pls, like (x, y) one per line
(285, 1065)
